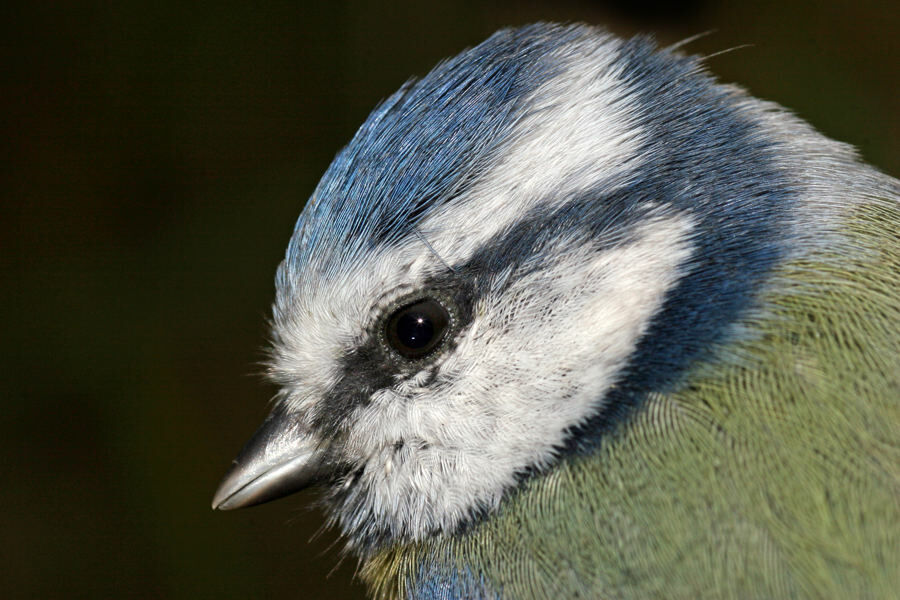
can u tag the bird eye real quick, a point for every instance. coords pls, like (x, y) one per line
(418, 328)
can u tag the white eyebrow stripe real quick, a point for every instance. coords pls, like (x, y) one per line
(578, 130)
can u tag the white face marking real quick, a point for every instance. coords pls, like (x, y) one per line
(536, 360)
(540, 350)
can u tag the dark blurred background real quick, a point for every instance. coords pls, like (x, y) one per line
(156, 158)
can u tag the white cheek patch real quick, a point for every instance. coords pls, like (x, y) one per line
(537, 359)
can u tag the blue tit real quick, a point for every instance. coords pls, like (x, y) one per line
(567, 318)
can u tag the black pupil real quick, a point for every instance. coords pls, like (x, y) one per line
(415, 330)
(418, 328)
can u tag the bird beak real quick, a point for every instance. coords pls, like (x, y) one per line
(281, 458)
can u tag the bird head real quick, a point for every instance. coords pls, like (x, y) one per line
(509, 254)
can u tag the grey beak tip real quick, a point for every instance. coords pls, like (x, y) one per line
(225, 489)
(277, 461)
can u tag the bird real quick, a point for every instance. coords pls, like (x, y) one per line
(569, 318)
